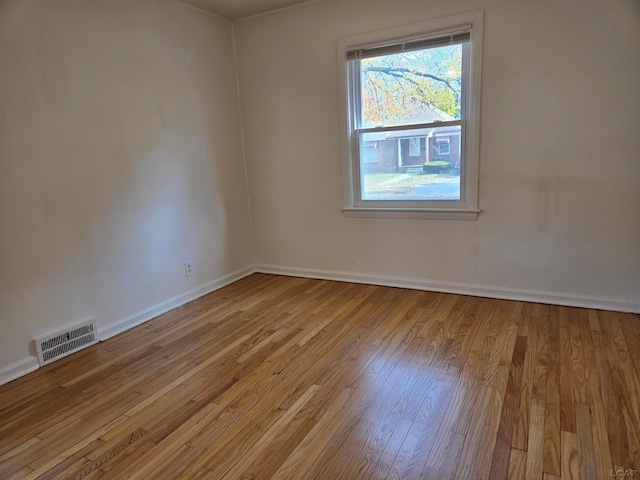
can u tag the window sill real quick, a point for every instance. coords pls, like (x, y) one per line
(433, 214)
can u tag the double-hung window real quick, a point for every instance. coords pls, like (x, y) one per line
(414, 92)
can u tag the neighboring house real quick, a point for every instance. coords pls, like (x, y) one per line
(402, 150)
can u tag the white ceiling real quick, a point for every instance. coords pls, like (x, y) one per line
(234, 9)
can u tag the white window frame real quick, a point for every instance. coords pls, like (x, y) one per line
(467, 207)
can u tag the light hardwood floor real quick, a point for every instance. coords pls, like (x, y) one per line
(277, 377)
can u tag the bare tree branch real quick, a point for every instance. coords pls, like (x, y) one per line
(402, 72)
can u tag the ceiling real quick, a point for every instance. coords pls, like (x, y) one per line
(234, 9)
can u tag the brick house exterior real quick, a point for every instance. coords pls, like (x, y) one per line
(399, 151)
(397, 154)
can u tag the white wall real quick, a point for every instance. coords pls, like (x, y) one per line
(120, 159)
(121, 155)
(560, 149)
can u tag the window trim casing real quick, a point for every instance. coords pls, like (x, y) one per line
(467, 207)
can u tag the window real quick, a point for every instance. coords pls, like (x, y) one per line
(444, 148)
(414, 92)
(370, 152)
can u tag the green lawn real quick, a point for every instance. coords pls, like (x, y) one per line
(400, 183)
(397, 186)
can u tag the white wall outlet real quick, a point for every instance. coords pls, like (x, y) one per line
(188, 269)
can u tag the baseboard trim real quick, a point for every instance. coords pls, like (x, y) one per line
(119, 326)
(30, 364)
(18, 369)
(553, 298)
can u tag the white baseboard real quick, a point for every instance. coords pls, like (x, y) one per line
(18, 369)
(147, 314)
(553, 298)
(30, 364)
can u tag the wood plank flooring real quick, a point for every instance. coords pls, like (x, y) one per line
(291, 378)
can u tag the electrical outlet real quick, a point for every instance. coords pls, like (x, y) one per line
(188, 269)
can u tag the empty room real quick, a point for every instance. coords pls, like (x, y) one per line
(326, 239)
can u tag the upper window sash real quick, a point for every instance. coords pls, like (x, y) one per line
(453, 36)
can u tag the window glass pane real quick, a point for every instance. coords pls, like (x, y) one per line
(414, 146)
(370, 151)
(398, 174)
(444, 148)
(422, 86)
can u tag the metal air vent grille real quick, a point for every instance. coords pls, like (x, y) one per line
(60, 344)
